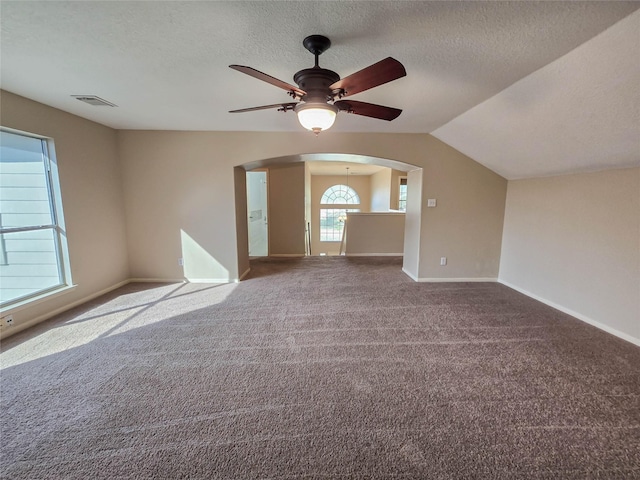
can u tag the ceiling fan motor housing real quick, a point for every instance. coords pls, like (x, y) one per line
(316, 82)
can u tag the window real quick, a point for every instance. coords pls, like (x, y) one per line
(332, 219)
(340, 194)
(402, 194)
(32, 244)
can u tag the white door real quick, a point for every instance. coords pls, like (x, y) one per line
(257, 214)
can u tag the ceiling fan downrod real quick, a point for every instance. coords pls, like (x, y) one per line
(316, 44)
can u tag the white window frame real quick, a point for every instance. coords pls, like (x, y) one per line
(400, 179)
(328, 202)
(57, 225)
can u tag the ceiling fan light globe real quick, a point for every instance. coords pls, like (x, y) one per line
(316, 117)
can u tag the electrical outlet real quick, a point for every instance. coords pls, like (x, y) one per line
(181, 262)
(443, 261)
(7, 321)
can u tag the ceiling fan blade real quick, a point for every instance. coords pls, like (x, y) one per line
(377, 74)
(283, 106)
(252, 72)
(368, 109)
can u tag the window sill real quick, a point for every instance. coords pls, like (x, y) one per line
(35, 300)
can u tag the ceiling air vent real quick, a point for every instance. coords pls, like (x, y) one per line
(93, 100)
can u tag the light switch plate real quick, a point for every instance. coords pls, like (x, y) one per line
(431, 202)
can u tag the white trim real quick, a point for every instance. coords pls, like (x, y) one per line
(448, 280)
(573, 313)
(43, 297)
(209, 280)
(34, 321)
(287, 254)
(158, 280)
(457, 280)
(410, 275)
(374, 254)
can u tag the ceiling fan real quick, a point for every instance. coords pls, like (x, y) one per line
(318, 89)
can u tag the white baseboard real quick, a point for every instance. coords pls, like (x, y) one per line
(288, 255)
(157, 280)
(209, 280)
(186, 280)
(579, 316)
(410, 275)
(458, 280)
(34, 321)
(374, 254)
(449, 280)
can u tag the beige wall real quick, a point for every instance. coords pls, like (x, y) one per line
(179, 203)
(319, 183)
(381, 190)
(286, 210)
(574, 241)
(375, 233)
(466, 224)
(91, 188)
(183, 181)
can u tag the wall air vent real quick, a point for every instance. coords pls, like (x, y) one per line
(93, 100)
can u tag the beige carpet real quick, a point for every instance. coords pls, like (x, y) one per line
(319, 368)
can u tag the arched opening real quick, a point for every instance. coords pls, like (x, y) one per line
(412, 212)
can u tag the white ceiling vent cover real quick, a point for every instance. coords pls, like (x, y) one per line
(94, 100)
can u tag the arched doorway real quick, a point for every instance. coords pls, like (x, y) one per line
(413, 209)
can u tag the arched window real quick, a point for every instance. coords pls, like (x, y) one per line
(340, 194)
(332, 219)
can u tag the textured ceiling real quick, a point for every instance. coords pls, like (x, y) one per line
(579, 113)
(165, 64)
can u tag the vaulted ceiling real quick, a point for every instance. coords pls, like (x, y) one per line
(525, 88)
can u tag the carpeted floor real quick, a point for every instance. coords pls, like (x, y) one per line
(319, 368)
